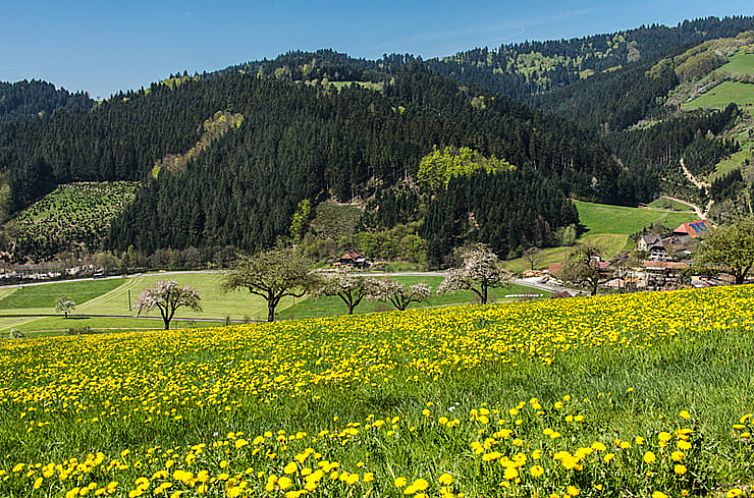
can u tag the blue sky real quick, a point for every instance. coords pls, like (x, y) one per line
(105, 46)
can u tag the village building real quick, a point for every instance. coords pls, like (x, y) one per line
(665, 275)
(654, 246)
(354, 259)
(692, 229)
(678, 246)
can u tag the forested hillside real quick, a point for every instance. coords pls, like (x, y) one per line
(290, 142)
(224, 159)
(25, 99)
(301, 142)
(524, 69)
(691, 108)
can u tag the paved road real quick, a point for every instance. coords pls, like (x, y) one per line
(530, 282)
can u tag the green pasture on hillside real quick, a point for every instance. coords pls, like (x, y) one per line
(610, 228)
(669, 204)
(44, 296)
(605, 219)
(742, 63)
(727, 92)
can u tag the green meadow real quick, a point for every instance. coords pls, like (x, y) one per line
(20, 308)
(727, 92)
(610, 228)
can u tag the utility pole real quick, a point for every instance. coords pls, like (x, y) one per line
(129, 299)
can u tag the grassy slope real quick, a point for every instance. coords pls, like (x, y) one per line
(723, 94)
(313, 307)
(110, 297)
(633, 389)
(742, 63)
(604, 219)
(669, 204)
(739, 133)
(44, 296)
(610, 227)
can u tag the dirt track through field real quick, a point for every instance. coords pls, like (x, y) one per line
(701, 185)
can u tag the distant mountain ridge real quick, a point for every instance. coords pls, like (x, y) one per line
(521, 70)
(26, 99)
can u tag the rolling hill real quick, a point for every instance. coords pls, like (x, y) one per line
(645, 394)
(29, 99)
(323, 126)
(292, 142)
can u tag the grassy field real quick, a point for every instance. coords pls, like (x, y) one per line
(669, 204)
(731, 163)
(742, 63)
(610, 227)
(327, 306)
(723, 94)
(580, 397)
(44, 296)
(111, 297)
(741, 159)
(604, 219)
(729, 91)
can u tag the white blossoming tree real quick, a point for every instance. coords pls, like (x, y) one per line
(65, 305)
(167, 296)
(397, 294)
(479, 271)
(350, 288)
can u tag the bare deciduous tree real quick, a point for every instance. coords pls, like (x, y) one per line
(479, 271)
(271, 275)
(534, 256)
(167, 296)
(585, 267)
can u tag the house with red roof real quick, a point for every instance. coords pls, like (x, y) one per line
(693, 229)
(354, 258)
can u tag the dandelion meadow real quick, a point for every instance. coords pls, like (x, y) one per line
(636, 395)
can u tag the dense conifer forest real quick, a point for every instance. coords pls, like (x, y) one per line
(26, 99)
(301, 142)
(522, 70)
